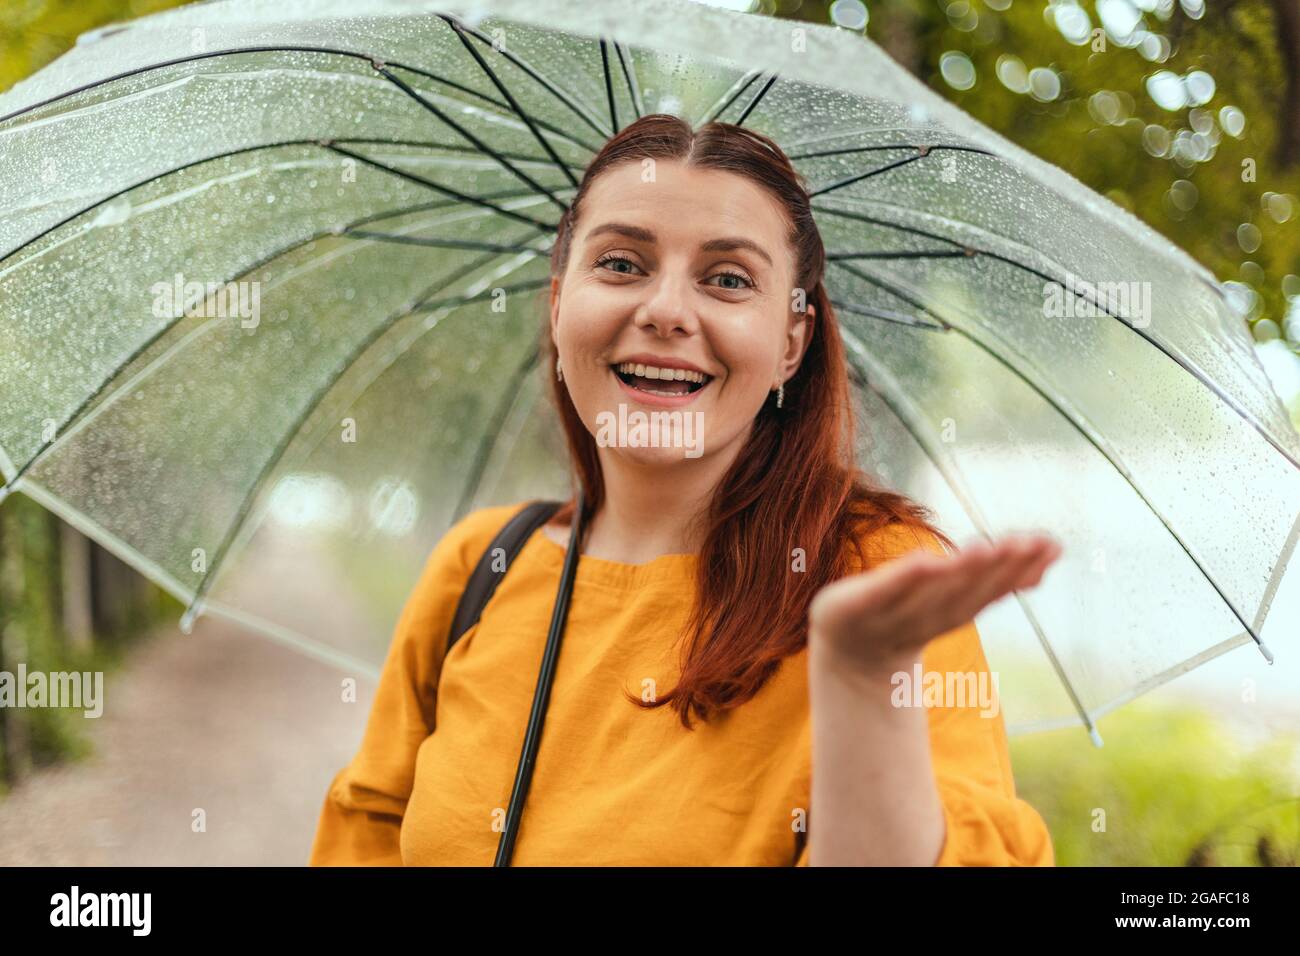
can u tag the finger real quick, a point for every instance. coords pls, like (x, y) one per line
(875, 591)
(974, 584)
(933, 601)
(867, 593)
(1025, 560)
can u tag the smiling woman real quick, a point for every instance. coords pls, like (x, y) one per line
(767, 587)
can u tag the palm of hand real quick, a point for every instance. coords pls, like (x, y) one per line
(882, 618)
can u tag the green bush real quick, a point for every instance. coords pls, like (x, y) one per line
(1176, 788)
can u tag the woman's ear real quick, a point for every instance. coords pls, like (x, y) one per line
(797, 340)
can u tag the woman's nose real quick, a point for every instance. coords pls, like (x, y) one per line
(669, 305)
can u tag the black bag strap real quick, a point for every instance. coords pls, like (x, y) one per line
(542, 694)
(483, 580)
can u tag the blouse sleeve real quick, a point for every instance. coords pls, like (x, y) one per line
(986, 823)
(360, 821)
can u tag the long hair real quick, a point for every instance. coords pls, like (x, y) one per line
(795, 484)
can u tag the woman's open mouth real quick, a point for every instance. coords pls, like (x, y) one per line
(661, 382)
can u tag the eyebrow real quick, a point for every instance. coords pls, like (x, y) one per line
(722, 244)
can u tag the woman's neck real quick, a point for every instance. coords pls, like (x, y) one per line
(652, 510)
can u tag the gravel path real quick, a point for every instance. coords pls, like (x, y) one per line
(246, 729)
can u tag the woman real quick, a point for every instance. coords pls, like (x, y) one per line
(739, 606)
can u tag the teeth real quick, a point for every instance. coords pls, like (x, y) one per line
(651, 371)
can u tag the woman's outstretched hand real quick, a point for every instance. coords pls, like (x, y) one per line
(882, 618)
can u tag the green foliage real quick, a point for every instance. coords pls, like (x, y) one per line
(1175, 787)
(31, 629)
(1238, 43)
(34, 32)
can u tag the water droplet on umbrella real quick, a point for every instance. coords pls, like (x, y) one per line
(112, 213)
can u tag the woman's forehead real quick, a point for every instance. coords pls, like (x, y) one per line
(669, 196)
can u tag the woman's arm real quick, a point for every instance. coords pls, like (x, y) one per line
(361, 820)
(874, 798)
(894, 784)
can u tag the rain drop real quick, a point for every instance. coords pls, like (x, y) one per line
(113, 213)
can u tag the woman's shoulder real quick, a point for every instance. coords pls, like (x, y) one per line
(452, 560)
(884, 541)
(465, 541)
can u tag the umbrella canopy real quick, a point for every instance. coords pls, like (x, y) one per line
(269, 307)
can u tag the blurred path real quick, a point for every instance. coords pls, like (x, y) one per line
(224, 720)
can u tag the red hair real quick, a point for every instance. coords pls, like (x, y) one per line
(795, 484)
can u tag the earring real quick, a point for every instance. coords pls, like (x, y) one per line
(559, 373)
(780, 395)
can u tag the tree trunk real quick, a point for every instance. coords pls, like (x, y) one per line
(1286, 13)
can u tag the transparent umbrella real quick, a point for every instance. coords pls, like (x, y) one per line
(269, 304)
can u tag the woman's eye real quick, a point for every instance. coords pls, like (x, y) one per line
(733, 281)
(611, 262)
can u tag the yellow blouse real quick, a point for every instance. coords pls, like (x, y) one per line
(614, 784)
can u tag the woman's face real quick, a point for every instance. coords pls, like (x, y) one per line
(690, 267)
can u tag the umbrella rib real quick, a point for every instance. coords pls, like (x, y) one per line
(399, 239)
(127, 74)
(1081, 424)
(543, 124)
(198, 162)
(754, 102)
(254, 490)
(210, 54)
(894, 290)
(62, 432)
(426, 144)
(482, 146)
(730, 97)
(609, 85)
(858, 177)
(888, 315)
(902, 254)
(633, 89)
(446, 190)
(526, 286)
(514, 105)
(870, 149)
(903, 410)
(546, 84)
(1182, 362)
(489, 445)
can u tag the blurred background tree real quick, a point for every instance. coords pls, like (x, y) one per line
(1184, 112)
